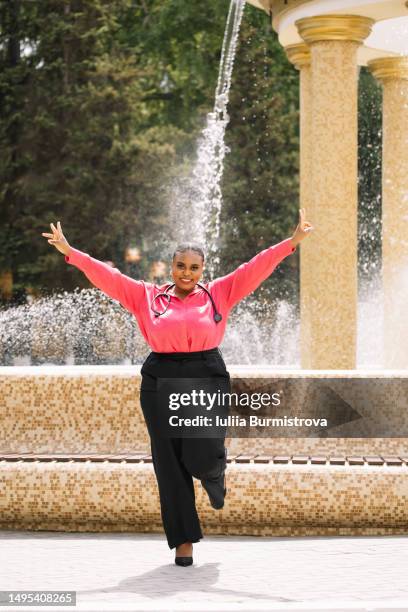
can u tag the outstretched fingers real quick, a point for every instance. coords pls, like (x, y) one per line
(56, 235)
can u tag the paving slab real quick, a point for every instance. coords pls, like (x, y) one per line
(126, 571)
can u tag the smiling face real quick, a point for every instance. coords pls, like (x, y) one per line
(186, 270)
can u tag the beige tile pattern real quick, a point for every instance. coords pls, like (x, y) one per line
(262, 500)
(332, 303)
(78, 413)
(98, 411)
(329, 267)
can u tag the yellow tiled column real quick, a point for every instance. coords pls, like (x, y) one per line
(299, 55)
(330, 286)
(392, 72)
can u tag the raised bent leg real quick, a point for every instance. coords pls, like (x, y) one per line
(203, 457)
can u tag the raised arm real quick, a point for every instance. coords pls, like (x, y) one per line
(111, 281)
(231, 288)
(236, 285)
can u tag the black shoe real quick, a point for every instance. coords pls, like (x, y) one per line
(183, 561)
(216, 488)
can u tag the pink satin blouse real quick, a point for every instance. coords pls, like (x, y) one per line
(188, 324)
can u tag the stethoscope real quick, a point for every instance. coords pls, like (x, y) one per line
(217, 316)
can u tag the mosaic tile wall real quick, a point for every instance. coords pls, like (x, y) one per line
(261, 500)
(71, 410)
(96, 409)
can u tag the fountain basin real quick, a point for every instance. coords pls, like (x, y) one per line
(268, 499)
(276, 486)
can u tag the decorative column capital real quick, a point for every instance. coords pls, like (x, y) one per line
(299, 55)
(351, 28)
(386, 68)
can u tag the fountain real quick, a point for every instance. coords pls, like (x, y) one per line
(196, 205)
(77, 430)
(22, 342)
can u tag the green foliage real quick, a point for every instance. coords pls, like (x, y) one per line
(101, 105)
(73, 148)
(261, 174)
(181, 41)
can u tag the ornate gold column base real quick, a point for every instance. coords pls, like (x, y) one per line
(392, 72)
(329, 287)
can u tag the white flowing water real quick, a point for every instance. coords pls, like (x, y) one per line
(196, 204)
(86, 327)
(212, 149)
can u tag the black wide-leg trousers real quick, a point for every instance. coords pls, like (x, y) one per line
(177, 460)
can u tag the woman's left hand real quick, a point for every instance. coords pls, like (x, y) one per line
(303, 229)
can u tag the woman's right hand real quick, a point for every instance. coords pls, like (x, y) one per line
(58, 239)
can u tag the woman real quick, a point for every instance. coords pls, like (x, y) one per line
(183, 328)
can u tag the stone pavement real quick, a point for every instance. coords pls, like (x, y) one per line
(122, 571)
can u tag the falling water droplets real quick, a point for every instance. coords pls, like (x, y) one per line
(82, 327)
(204, 188)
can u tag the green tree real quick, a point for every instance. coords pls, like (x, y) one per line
(72, 102)
(260, 183)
